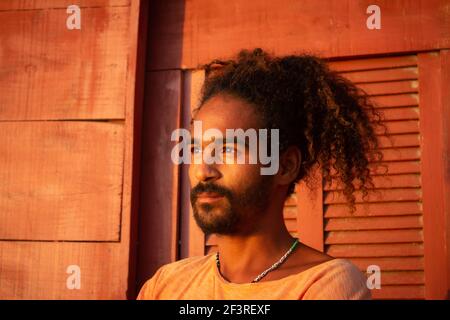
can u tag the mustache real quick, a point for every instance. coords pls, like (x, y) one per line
(209, 187)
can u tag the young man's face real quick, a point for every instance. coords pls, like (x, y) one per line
(227, 198)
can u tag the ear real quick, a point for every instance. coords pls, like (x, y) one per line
(290, 161)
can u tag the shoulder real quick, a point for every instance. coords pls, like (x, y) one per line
(337, 279)
(339, 269)
(184, 268)
(186, 265)
(306, 258)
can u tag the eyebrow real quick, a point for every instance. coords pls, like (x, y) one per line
(195, 141)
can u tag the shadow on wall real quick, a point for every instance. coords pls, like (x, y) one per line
(161, 115)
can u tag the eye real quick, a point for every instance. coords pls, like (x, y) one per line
(228, 149)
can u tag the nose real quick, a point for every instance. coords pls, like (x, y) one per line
(205, 172)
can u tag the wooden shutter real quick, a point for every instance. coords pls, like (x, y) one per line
(387, 230)
(401, 227)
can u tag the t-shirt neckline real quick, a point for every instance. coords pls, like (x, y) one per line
(223, 281)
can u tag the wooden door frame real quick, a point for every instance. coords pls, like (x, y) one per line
(434, 88)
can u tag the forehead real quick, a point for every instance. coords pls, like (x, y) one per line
(227, 112)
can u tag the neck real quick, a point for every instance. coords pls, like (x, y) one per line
(245, 256)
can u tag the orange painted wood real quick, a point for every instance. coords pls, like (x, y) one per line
(61, 180)
(374, 209)
(433, 171)
(41, 68)
(399, 127)
(373, 63)
(395, 100)
(335, 28)
(389, 278)
(52, 4)
(374, 236)
(37, 270)
(400, 154)
(391, 87)
(390, 263)
(291, 201)
(375, 250)
(310, 212)
(408, 113)
(445, 90)
(133, 123)
(407, 73)
(290, 212)
(399, 140)
(392, 167)
(382, 195)
(391, 181)
(192, 237)
(294, 234)
(50, 72)
(158, 222)
(376, 223)
(291, 224)
(373, 223)
(399, 292)
(395, 167)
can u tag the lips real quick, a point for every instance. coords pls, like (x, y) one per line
(209, 197)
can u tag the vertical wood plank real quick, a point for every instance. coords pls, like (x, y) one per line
(433, 167)
(134, 100)
(310, 213)
(192, 237)
(160, 177)
(445, 90)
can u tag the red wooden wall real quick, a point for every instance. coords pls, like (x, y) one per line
(69, 123)
(70, 142)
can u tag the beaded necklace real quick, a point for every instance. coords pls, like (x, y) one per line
(273, 267)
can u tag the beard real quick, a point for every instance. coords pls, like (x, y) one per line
(232, 213)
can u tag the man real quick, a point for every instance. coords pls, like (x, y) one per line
(322, 120)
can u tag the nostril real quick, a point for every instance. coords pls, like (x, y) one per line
(207, 173)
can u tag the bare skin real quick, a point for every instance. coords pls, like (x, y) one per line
(262, 237)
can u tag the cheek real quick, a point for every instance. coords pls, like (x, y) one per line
(240, 175)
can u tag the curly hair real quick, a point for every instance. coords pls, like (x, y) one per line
(326, 116)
